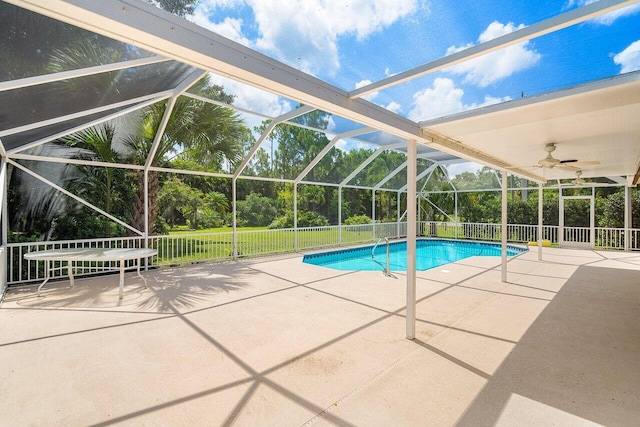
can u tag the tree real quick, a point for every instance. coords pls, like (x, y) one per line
(217, 202)
(99, 184)
(613, 212)
(256, 210)
(200, 129)
(177, 7)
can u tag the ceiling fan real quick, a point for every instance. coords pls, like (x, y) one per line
(578, 180)
(550, 162)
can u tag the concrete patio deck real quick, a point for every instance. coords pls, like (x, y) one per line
(275, 342)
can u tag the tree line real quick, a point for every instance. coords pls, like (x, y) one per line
(207, 137)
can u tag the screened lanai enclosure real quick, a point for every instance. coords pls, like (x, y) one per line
(173, 173)
(122, 121)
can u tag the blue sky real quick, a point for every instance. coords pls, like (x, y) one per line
(350, 43)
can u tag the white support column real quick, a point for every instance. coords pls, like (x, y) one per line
(399, 194)
(627, 218)
(373, 215)
(419, 214)
(560, 217)
(4, 181)
(592, 218)
(146, 215)
(504, 226)
(146, 207)
(455, 213)
(295, 217)
(540, 220)
(340, 216)
(234, 196)
(411, 238)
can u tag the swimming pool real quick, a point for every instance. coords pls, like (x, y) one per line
(430, 253)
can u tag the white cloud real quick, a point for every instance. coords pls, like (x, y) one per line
(370, 96)
(331, 124)
(229, 27)
(304, 33)
(349, 144)
(629, 58)
(443, 99)
(253, 99)
(394, 107)
(607, 18)
(498, 65)
(459, 168)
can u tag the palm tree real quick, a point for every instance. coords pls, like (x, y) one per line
(96, 143)
(217, 202)
(206, 131)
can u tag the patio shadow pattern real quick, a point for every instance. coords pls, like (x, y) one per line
(277, 342)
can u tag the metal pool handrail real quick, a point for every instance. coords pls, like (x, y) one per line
(385, 269)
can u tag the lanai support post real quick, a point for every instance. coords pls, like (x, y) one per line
(398, 233)
(339, 216)
(504, 226)
(627, 218)
(419, 214)
(455, 213)
(540, 220)
(373, 215)
(295, 217)
(234, 196)
(146, 215)
(4, 181)
(411, 237)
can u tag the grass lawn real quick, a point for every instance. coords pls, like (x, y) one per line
(186, 246)
(182, 230)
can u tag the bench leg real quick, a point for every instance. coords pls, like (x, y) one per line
(143, 279)
(46, 276)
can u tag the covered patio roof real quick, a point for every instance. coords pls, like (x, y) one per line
(591, 122)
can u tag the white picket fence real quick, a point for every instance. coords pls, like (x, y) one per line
(178, 249)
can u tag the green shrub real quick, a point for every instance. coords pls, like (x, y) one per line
(256, 210)
(208, 218)
(357, 220)
(305, 219)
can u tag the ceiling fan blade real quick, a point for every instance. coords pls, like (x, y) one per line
(569, 161)
(567, 168)
(586, 163)
(524, 167)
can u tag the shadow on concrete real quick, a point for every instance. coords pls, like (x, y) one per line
(578, 362)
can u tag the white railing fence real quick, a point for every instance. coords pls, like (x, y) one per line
(178, 249)
(517, 233)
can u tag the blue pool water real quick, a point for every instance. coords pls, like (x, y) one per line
(429, 254)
